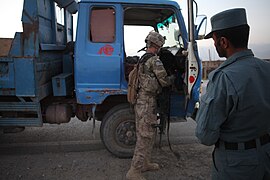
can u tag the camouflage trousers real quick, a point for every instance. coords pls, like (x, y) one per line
(146, 116)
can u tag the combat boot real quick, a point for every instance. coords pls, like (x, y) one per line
(150, 166)
(134, 174)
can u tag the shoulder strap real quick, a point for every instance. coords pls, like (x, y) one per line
(145, 57)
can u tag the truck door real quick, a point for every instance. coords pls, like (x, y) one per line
(174, 31)
(188, 76)
(98, 51)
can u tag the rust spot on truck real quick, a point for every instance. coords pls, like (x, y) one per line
(30, 32)
(106, 91)
(30, 29)
(5, 44)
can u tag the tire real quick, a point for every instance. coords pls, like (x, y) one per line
(118, 132)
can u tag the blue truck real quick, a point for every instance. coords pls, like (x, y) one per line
(47, 77)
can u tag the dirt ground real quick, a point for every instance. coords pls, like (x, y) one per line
(68, 152)
(194, 163)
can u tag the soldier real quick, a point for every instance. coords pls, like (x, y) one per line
(152, 77)
(234, 113)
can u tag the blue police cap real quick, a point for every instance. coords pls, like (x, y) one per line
(227, 19)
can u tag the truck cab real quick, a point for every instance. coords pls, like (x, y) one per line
(88, 78)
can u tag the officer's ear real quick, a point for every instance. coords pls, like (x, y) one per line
(224, 42)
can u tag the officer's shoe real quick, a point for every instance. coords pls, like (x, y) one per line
(134, 174)
(150, 167)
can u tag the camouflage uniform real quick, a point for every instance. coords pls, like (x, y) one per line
(152, 77)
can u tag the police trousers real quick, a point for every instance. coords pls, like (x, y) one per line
(146, 117)
(241, 164)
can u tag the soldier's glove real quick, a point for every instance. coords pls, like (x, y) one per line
(172, 78)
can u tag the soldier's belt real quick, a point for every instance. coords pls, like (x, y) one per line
(146, 94)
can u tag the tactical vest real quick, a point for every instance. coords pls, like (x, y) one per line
(148, 82)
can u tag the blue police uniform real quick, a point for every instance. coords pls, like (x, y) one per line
(234, 115)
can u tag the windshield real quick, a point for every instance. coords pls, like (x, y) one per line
(170, 29)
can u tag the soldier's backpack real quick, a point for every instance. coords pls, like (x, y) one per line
(133, 80)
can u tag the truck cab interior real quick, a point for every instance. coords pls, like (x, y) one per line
(142, 20)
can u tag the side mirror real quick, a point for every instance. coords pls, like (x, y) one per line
(200, 24)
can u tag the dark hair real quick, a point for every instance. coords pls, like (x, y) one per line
(238, 36)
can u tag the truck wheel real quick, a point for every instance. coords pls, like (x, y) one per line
(118, 131)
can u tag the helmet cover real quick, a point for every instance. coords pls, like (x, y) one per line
(156, 38)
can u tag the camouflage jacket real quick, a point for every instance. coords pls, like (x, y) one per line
(153, 76)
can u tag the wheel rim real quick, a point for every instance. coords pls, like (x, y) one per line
(126, 133)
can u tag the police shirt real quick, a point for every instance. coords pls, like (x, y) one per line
(236, 106)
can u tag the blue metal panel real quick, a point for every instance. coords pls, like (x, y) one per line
(177, 106)
(32, 107)
(46, 21)
(97, 72)
(51, 47)
(46, 67)
(62, 84)
(159, 2)
(51, 34)
(25, 77)
(7, 82)
(16, 47)
(96, 96)
(30, 11)
(21, 122)
(30, 28)
(19, 106)
(67, 63)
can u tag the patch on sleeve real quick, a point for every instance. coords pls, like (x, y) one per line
(159, 63)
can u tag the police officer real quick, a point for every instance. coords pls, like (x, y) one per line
(152, 77)
(234, 113)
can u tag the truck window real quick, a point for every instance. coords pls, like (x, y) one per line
(59, 13)
(102, 25)
(135, 38)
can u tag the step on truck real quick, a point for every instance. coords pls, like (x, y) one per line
(48, 77)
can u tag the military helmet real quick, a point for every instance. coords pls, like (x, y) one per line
(156, 38)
